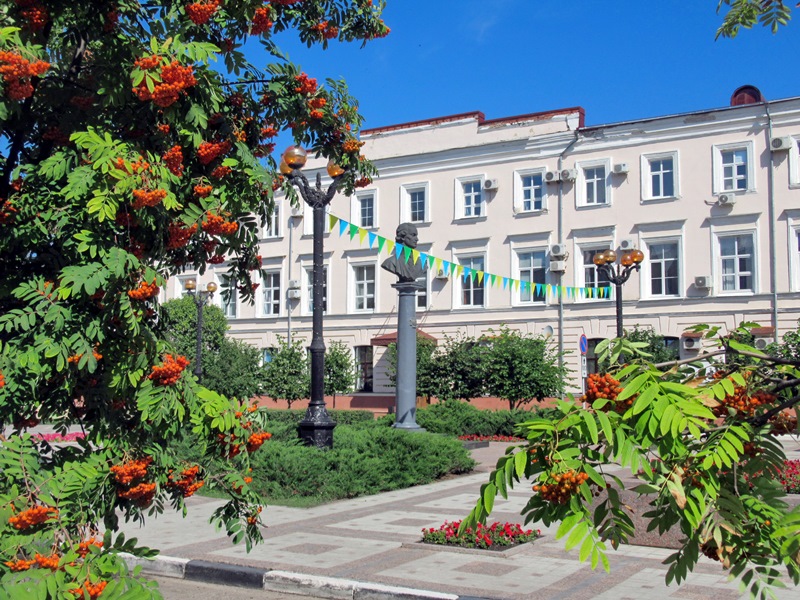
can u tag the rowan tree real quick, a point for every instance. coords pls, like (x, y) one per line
(136, 142)
(698, 436)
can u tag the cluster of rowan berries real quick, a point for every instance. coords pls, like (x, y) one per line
(316, 114)
(210, 151)
(253, 519)
(326, 30)
(256, 440)
(175, 80)
(173, 158)
(305, 84)
(21, 423)
(363, 182)
(783, 423)
(136, 248)
(129, 478)
(145, 291)
(84, 546)
(82, 102)
(261, 21)
(55, 135)
(179, 234)
(77, 357)
(221, 172)
(17, 73)
(34, 13)
(112, 20)
(561, 486)
(238, 488)
(133, 470)
(200, 12)
(605, 386)
(138, 166)
(19, 565)
(210, 245)
(269, 131)
(169, 371)
(188, 483)
(217, 259)
(203, 191)
(2, 380)
(229, 447)
(7, 212)
(93, 590)
(47, 562)
(382, 32)
(285, 2)
(31, 517)
(217, 225)
(352, 146)
(143, 198)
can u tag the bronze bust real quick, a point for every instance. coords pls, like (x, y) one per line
(410, 271)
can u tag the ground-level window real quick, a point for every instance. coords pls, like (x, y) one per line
(363, 355)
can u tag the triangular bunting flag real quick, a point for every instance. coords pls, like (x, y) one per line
(458, 269)
(539, 289)
(332, 220)
(398, 250)
(423, 259)
(480, 277)
(372, 238)
(505, 282)
(415, 255)
(493, 279)
(362, 233)
(431, 261)
(516, 284)
(342, 226)
(389, 246)
(439, 264)
(353, 230)
(406, 253)
(381, 242)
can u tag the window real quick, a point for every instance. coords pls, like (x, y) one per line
(529, 191)
(414, 205)
(472, 291)
(471, 198)
(736, 253)
(308, 220)
(364, 277)
(531, 270)
(591, 355)
(365, 209)
(272, 229)
(310, 290)
(733, 168)
(272, 294)
(660, 176)
(363, 355)
(181, 281)
(422, 293)
(593, 184)
(592, 277)
(794, 163)
(228, 295)
(794, 243)
(663, 264)
(267, 354)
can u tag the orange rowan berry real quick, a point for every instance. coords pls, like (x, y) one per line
(305, 84)
(179, 234)
(261, 21)
(209, 151)
(173, 158)
(169, 371)
(143, 198)
(352, 146)
(201, 12)
(203, 191)
(19, 565)
(145, 291)
(32, 517)
(256, 440)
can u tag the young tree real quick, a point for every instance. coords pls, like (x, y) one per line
(179, 326)
(288, 376)
(521, 368)
(235, 370)
(651, 345)
(702, 449)
(136, 142)
(463, 368)
(430, 372)
(340, 370)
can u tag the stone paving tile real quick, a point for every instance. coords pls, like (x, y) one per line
(407, 523)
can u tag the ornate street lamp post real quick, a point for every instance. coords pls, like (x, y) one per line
(200, 299)
(316, 428)
(630, 261)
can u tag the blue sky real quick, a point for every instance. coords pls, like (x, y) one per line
(618, 60)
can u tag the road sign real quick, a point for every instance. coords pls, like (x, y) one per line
(583, 344)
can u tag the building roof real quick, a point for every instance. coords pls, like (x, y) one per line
(391, 338)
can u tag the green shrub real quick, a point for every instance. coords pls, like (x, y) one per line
(342, 417)
(454, 417)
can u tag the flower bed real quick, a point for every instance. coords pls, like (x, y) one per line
(490, 438)
(790, 477)
(57, 437)
(495, 535)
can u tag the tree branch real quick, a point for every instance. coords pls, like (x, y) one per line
(762, 419)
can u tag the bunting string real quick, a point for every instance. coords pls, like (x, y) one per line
(451, 269)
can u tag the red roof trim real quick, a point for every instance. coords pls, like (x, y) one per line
(391, 338)
(480, 118)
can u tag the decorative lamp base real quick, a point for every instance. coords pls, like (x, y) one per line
(316, 429)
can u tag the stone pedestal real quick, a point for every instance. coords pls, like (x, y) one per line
(406, 384)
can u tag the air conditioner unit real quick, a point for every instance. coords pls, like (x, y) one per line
(298, 211)
(692, 343)
(761, 343)
(558, 266)
(293, 294)
(702, 282)
(441, 274)
(294, 284)
(782, 143)
(726, 200)
(627, 245)
(490, 184)
(558, 250)
(569, 174)
(552, 177)
(621, 169)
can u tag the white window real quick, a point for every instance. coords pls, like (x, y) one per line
(532, 270)
(422, 294)
(180, 282)
(592, 277)
(472, 291)
(794, 163)
(364, 287)
(733, 168)
(794, 256)
(660, 176)
(272, 294)
(594, 183)
(309, 290)
(308, 220)
(267, 354)
(364, 368)
(364, 209)
(737, 263)
(663, 263)
(414, 203)
(469, 198)
(529, 191)
(228, 296)
(272, 228)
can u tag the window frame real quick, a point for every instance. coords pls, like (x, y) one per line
(274, 221)
(580, 270)
(306, 292)
(361, 371)
(263, 308)
(718, 170)
(793, 224)
(647, 175)
(461, 198)
(794, 163)
(581, 182)
(405, 202)
(458, 287)
(426, 291)
(308, 220)
(356, 215)
(220, 279)
(353, 287)
(717, 256)
(645, 290)
(519, 191)
(516, 295)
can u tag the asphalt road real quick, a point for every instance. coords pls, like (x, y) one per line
(180, 589)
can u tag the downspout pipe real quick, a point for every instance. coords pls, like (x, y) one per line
(289, 275)
(561, 241)
(773, 250)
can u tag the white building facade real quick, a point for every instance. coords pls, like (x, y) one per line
(712, 198)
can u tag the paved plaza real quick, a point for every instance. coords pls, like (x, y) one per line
(369, 548)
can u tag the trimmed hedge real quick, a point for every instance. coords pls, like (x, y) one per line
(454, 417)
(342, 417)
